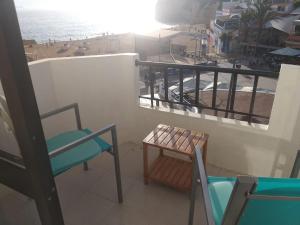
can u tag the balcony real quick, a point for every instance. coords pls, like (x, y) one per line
(107, 91)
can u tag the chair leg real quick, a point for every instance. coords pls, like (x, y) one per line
(85, 166)
(117, 164)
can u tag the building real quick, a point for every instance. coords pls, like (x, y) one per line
(191, 28)
(293, 39)
(225, 25)
(224, 32)
(282, 6)
(155, 43)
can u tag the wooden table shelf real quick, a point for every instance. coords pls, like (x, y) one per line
(169, 170)
(172, 172)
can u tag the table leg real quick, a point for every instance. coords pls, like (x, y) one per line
(204, 153)
(145, 155)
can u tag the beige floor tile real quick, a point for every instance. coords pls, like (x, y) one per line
(90, 197)
(89, 209)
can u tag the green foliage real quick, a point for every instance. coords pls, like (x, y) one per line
(258, 15)
(262, 15)
(296, 3)
(220, 7)
(247, 17)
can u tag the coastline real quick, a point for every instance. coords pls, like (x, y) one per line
(105, 44)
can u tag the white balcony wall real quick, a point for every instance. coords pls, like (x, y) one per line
(98, 84)
(107, 92)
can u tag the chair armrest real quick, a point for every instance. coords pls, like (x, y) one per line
(63, 109)
(200, 171)
(67, 147)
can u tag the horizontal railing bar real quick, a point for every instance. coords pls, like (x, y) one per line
(262, 73)
(204, 107)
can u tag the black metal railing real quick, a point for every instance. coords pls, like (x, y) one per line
(198, 69)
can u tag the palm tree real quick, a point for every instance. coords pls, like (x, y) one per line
(246, 18)
(296, 3)
(263, 14)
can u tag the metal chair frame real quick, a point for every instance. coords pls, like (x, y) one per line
(238, 198)
(113, 151)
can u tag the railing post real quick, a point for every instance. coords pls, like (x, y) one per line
(229, 96)
(214, 96)
(157, 103)
(232, 95)
(197, 87)
(151, 77)
(252, 99)
(166, 86)
(179, 97)
(181, 86)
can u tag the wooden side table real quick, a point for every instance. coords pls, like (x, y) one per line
(168, 170)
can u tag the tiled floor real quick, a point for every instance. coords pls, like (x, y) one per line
(90, 198)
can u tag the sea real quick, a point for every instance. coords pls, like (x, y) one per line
(45, 25)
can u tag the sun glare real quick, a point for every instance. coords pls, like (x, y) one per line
(121, 15)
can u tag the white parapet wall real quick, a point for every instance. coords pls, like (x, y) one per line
(106, 89)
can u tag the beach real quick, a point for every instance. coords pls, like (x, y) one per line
(107, 44)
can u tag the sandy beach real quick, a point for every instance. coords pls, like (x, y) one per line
(107, 44)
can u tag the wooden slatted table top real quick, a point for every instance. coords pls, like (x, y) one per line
(176, 139)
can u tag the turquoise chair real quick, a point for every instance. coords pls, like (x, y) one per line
(247, 200)
(72, 148)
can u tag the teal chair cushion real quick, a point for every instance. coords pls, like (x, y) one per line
(219, 189)
(77, 155)
(258, 212)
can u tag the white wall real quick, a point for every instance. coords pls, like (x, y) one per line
(99, 84)
(235, 145)
(106, 89)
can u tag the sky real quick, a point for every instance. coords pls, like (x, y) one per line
(86, 4)
(135, 14)
(99, 6)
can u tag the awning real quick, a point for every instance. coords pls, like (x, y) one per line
(296, 11)
(284, 24)
(291, 52)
